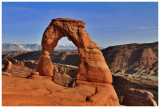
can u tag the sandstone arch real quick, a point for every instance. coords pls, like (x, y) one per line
(92, 66)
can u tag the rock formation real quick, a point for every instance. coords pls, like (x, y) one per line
(136, 97)
(133, 59)
(92, 68)
(16, 62)
(92, 65)
(8, 65)
(135, 93)
(35, 75)
(6, 73)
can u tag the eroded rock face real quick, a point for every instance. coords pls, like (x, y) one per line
(16, 62)
(8, 65)
(135, 93)
(92, 68)
(136, 97)
(6, 73)
(45, 66)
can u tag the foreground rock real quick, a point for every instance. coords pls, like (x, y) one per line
(17, 91)
(16, 68)
(92, 69)
(130, 92)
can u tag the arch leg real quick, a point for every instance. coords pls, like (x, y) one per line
(45, 65)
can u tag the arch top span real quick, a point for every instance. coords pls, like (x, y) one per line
(92, 66)
(65, 20)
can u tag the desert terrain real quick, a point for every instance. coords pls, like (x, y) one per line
(65, 77)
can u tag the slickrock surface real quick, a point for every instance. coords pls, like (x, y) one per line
(17, 91)
(17, 68)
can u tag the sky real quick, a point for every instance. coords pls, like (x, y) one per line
(108, 23)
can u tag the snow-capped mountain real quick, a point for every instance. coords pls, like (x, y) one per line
(33, 47)
(13, 46)
(63, 47)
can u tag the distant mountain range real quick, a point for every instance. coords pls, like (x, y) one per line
(13, 46)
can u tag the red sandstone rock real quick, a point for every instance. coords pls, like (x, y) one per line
(6, 73)
(45, 66)
(8, 65)
(136, 97)
(35, 73)
(124, 87)
(55, 69)
(104, 94)
(16, 62)
(37, 77)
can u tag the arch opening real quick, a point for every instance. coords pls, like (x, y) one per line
(64, 44)
(65, 60)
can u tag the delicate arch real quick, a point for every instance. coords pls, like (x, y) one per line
(92, 66)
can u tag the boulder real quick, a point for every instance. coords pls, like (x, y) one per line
(62, 79)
